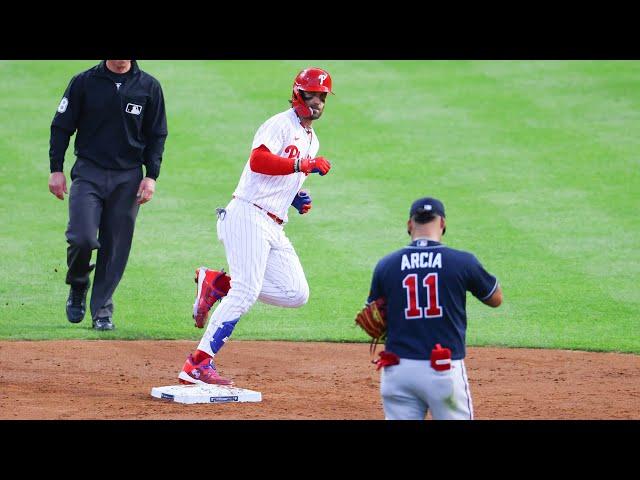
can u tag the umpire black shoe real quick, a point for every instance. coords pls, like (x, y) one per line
(103, 323)
(77, 303)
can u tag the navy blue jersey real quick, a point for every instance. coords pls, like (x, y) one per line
(425, 284)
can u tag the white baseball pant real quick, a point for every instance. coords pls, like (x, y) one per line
(263, 265)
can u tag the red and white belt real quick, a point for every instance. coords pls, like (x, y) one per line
(273, 216)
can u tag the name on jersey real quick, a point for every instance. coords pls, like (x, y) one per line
(294, 152)
(421, 260)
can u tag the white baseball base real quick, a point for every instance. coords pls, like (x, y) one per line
(205, 394)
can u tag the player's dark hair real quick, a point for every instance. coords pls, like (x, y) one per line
(423, 216)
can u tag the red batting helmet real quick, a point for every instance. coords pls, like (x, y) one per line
(309, 80)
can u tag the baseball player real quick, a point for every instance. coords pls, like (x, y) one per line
(425, 285)
(262, 261)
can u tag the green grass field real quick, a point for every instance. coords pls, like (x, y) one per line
(537, 163)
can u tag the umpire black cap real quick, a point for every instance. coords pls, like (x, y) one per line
(427, 204)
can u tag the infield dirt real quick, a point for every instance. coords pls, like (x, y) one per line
(113, 380)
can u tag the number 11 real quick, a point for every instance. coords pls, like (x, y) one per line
(413, 310)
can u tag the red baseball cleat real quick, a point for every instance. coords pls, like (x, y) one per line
(204, 372)
(212, 286)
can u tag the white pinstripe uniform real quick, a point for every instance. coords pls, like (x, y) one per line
(263, 264)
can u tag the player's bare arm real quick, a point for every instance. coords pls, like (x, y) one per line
(495, 300)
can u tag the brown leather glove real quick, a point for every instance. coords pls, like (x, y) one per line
(373, 318)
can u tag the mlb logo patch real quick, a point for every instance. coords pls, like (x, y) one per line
(133, 109)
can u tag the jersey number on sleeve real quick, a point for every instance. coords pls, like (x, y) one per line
(413, 310)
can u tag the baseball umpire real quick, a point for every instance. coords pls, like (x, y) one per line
(423, 290)
(119, 114)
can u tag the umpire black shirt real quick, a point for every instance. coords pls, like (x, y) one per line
(119, 126)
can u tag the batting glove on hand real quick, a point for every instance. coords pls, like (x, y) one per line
(314, 165)
(302, 202)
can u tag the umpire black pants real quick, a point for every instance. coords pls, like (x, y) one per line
(102, 216)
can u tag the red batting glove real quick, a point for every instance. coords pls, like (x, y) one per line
(315, 165)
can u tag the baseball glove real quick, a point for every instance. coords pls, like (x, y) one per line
(373, 319)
